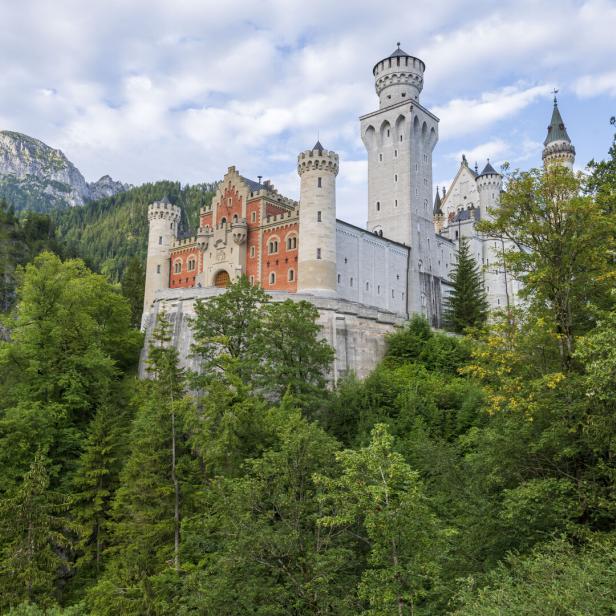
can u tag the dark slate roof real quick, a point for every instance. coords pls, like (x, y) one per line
(254, 186)
(318, 146)
(437, 204)
(467, 215)
(556, 129)
(165, 199)
(489, 169)
(398, 52)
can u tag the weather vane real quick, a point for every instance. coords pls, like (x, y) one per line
(555, 91)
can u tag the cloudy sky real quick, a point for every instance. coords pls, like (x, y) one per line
(181, 89)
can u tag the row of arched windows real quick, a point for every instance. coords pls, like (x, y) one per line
(273, 244)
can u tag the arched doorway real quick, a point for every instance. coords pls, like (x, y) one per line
(222, 279)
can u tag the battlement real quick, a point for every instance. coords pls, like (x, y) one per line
(323, 160)
(397, 77)
(164, 210)
(185, 241)
(278, 218)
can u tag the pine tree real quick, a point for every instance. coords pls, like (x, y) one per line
(133, 287)
(95, 481)
(33, 530)
(466, 305)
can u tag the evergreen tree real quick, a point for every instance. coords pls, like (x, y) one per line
(133, 287)
(95, 481)
(33, 529)
(466, 305)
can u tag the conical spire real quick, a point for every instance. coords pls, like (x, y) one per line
(556, 129)
(318, 146)
(489, 169)
(437, 204)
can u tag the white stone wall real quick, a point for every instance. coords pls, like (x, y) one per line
(357, 333)
(370, 269)
(163, 219)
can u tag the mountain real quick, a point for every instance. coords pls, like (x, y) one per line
(108, 232)
(37, 177)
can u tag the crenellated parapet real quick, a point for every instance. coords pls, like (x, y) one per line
(317, 160)
(164, 210)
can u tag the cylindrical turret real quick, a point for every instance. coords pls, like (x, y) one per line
(164, 218)
(398, 77)
(489, 186)
(317, 169)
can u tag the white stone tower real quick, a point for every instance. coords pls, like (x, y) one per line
(399, 139)
(558, 148)
(489, 186)
(164, 218)
(317, 169)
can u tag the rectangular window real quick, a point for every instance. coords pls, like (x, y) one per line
(319, 182)
(318, 253)
(160, 239)
(158, 269)
(318, 216)
(254, 217)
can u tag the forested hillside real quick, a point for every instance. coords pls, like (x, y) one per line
(108, 232)
(470, 475)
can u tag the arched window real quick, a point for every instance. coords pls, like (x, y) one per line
(234, 217)
(291, 275)
(272, 247)
(223, 221)
(177, 266)
(253, 251)
(272, 278)
(291, 242)
(191, 264)
(254, 217)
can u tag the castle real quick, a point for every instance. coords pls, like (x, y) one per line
(364, 282)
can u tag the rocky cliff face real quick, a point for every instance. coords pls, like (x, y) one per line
(105, 187)
(37, 177)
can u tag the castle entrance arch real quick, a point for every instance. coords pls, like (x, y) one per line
(222, 279)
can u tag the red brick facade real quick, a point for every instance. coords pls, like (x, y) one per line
(266, 221)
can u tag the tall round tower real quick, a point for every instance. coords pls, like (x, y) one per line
(164, 218)
(398, 77)
(558, 149)
(317, 169)
(489, 186)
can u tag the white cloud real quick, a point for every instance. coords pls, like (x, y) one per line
(595, 85)
(466, 116)
(480, 153)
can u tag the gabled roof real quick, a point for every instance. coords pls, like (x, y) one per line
(254, 186)
(556, 129)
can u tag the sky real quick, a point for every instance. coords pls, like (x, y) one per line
(145, 90)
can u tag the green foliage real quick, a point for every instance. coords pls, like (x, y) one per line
(33, 530)
(271, 347)
(133, 288)
(554, 579)
(108, 233)
(20, 241)
(563, 244)
(379, 497)
(467, 306)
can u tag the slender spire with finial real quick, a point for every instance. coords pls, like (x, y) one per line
(555, 91)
